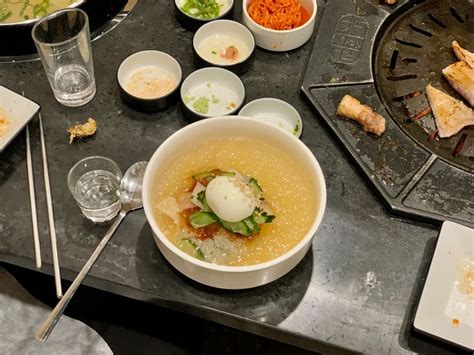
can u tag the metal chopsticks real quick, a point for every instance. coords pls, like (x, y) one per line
(34, 216)
(49, 203)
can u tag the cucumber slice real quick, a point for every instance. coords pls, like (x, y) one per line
(191, 248)
(255, 187)
(239, 228)
(202, 219)
(262, 217)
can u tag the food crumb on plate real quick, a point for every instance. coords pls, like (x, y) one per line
(3, 123)
(455, 322)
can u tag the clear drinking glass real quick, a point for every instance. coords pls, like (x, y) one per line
(63, 42)
(94, 182)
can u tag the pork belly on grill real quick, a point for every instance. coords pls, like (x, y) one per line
(463, 54)
(451, 115)
(461, 77)
(370, 120)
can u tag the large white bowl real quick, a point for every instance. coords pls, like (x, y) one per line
(281, 40)
(231, 277)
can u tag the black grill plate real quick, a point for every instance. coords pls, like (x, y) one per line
(355, 43)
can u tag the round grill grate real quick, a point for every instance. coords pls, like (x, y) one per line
(411, 51)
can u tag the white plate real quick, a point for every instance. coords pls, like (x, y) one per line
(18, 111)
(446, 310)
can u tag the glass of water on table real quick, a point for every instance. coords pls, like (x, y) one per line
(63, 42)
(95, 182)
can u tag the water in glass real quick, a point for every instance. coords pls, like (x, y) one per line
(73, 85)
(97, 192)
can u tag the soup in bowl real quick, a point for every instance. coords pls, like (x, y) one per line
(233, 203)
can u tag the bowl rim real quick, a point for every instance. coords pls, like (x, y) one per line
(306, 24)
(299, 120)
(198, 72)
(147, 204)
(173, 59)
(232, 3)
(30, 21)
(233, 23)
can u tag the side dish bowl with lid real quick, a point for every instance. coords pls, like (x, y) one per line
(224, 143)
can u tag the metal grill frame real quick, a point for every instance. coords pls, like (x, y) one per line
(410, 179)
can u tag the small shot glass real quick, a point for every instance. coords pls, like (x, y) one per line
(95, 182)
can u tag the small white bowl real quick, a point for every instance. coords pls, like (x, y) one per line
(276, 112)
(239, 36)
(221, 276)
(281, 40)
(149, 58)
(212, 83)
(193, 23)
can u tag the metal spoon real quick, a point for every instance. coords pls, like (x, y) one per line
(131, 198)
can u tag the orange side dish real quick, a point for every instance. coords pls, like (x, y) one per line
(278, 14)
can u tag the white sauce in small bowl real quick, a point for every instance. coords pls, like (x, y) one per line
(150, 82)
(217, 49)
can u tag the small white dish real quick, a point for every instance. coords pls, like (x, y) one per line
(156, 64)
(281, 40)
(212, 42)
(277, 112)
(446, 308)
(18, 111)
(219, 90)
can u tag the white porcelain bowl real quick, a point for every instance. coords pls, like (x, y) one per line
(231, 277)
(281, 40)
(277, 112)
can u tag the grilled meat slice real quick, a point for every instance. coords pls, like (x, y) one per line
(370, 120)
(461, 77)
(451, 115)
(463, 54)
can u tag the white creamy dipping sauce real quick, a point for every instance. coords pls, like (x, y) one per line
(150, 82)
(223, 49)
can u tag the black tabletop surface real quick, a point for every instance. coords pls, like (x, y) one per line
(358, 286)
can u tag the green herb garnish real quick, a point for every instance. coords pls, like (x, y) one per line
(201, 105)
(201, 9)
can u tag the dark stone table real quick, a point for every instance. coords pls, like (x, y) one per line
(356, 289)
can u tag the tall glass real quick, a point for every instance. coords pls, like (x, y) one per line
(63, 42)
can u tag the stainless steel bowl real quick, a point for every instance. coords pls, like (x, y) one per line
(15, 38)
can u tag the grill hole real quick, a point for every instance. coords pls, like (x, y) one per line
(393, 60)
(420, 31)
(410, 44)
(410, 60)
(411, 95)
(456, 15)
(437, 21)
(402, 77)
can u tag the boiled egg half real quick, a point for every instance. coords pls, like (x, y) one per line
(230, 199)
